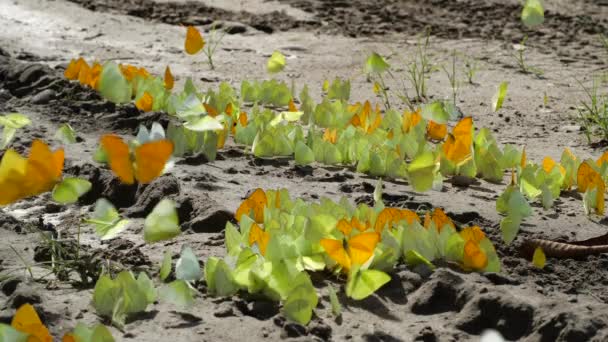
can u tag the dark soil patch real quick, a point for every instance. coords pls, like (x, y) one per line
(197, 13)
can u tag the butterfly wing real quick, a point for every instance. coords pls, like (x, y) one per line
(26, 320)
(344, 226)
(169, 80)
(258, 202)
(12, 177)
(119, 157)
(336, 252)
(43, 168)
(361, 247)
(150, 159)
(259, 236)
(194, 41)
(474, 257)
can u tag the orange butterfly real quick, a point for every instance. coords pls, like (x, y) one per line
(145, 102)
(26, 320)
(347, 227)
(358, 251)
(256, 202)
(439, 218)
(148, 163)
(457, 147)
(473, 256)
(73, 69)
(549, 164)
(391, 216)
(194, 41)
(130, 72)
(410, 120)
(21, 178)
(364, 118)
(259, 236)
(435, 131)
(242, 120)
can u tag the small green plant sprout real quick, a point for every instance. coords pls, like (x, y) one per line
(214, 41)
(520, 57)
(499, 97)
(604, 41)
(470, 67)
(417, 72)
(10, 123)
(593, 112)
(276, 63)
(375, 67)
(545, 100)
(452, 77)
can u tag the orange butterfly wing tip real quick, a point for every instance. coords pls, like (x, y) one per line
(119, 157)
(150, 159)
(336, 251)
(194, 41)
(361, 247)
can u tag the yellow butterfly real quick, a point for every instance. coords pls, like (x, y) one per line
(256, 202)
(360, 248)
(21, 178)
(391, 216)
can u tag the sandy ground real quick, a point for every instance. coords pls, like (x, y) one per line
(322, 39)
